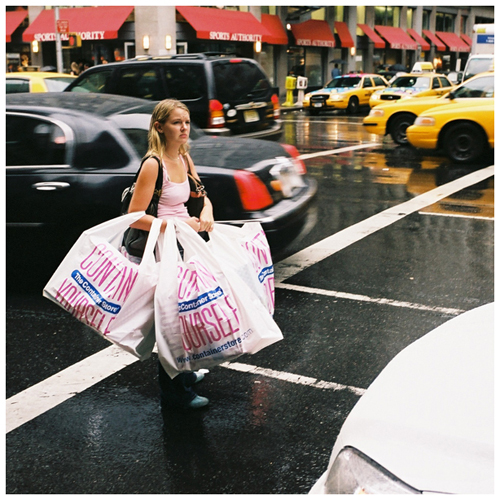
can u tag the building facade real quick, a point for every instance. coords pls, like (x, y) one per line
(306, 41)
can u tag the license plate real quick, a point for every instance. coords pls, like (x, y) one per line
(318, 104)
(251, 116)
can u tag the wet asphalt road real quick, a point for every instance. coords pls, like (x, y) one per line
(262, 434)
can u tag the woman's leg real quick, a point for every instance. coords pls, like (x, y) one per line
(178, 392)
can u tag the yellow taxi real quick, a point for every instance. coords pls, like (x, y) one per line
(394, 118)
(36, 81)
(412, 85)
(348, 92)
(465, 131)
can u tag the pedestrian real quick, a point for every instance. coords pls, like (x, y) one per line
(75, 70)
(168, 141)
(335, 71)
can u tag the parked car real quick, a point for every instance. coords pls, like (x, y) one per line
(412, 85)
(69, 156)
(395, 117)
(226, 95)
(426, 424)
(36, 81)
(465, 131)
(347, 92)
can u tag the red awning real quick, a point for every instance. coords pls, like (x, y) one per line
(379, 43)
(397, 38)
(13, 18)
(467, 39)
(454, 42)
(313, 33)
(435, 40)
(224, 25)
(421, 41)
(91, 23)
(344, 34)
(275, 27)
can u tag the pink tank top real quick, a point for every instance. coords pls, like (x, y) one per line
(173, 196)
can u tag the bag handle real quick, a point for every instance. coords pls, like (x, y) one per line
(154, 233)
(199, 187)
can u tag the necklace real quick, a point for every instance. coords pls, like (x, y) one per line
(173, 159)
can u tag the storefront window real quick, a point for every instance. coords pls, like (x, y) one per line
(361, 17)
(267, 61)
(426, 20)
(313, 66)
(445, 22)
(296, 61)
(409, 17)
(318, 14)
(387, 16)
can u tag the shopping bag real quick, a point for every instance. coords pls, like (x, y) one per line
(246, 250)
(100, 287)
(203, 315)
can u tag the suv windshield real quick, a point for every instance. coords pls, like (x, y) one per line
(419, 82)
(238, 80)
(344, 82)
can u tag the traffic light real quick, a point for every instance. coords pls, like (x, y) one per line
(72, 42)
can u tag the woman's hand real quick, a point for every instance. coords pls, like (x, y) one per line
(194, 222)
(207, 217)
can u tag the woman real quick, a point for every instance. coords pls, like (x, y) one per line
(168, 140)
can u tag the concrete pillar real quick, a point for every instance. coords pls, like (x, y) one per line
(157, 22)
(432, 29)
(256, 10)
(331, 51)
(280, 55)
(35, 57)
(417, 25)
(369, 64)
(403, 24)
(352, 24)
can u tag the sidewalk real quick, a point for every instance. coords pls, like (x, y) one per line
(295, 107)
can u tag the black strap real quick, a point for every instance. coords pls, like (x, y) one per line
(159, 179)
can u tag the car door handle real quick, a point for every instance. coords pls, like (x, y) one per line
(50, 186)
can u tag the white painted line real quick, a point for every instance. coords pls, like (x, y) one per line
(325, 248)
(292, 377)
(458, 216)
(338, 151)
(54, 390)
(365, 298)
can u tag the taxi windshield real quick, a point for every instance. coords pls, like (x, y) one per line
(344, 82)
(411, 82)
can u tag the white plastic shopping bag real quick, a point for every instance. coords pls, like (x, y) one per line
(204, 316)
(98, 285)
(246, 251)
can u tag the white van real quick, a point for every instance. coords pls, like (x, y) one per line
(482, 51)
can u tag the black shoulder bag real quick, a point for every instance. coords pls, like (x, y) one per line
(134, 240)
(196, 200)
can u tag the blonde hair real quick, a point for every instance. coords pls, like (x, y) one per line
(156, 141)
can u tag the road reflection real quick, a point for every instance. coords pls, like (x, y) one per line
(385, 164)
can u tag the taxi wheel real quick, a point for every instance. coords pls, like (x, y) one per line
(464, 143)
(353, 105)
(398, 126)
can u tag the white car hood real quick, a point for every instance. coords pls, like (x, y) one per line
(428, 417)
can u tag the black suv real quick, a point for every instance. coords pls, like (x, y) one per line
(226, 95)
